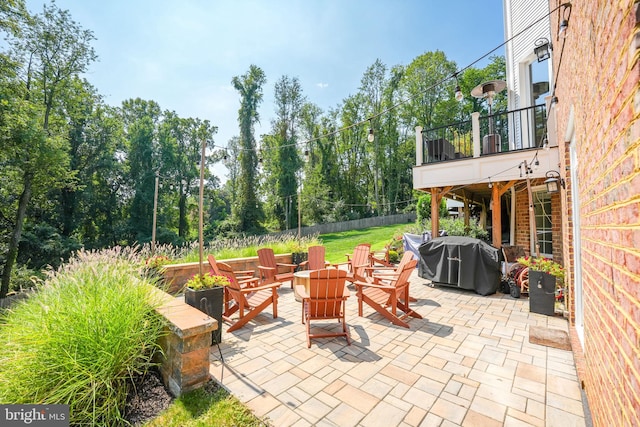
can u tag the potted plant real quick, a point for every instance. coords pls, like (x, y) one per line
(206, 293)
(299, 254)
(545, 277)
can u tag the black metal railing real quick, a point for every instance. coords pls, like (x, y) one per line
(514, 130)
(501, 132)
(448, 142)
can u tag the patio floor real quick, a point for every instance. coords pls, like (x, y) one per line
(467, 362)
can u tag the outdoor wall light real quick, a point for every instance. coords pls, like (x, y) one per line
(543, 49)
(552, 181)
(306, 156)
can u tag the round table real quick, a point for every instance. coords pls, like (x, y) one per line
(300, 278)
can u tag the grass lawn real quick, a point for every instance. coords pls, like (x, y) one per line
(339, 244)
(208, 406)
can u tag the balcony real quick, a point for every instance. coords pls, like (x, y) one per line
(501, 132)
(484, 149)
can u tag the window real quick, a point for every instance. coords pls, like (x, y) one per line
(542, 211)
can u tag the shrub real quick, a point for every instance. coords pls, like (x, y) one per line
(81, 339)
(23, 278)
(453, 227)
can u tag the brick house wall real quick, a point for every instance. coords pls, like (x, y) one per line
(599, 102)
(522, 235)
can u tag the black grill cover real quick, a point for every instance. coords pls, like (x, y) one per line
(460, 261)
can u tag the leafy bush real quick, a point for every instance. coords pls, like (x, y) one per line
(423, 208)
(456, 227)
(453, 227)
(24, 278)
(81, 339)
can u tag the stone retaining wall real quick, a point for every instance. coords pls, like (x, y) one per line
(186, 343)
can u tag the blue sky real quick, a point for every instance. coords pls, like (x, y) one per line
(184, 53)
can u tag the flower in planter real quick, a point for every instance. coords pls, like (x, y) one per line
(207, 281)
(157, 262)
(545, 265)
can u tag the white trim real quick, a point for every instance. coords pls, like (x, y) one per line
(577, 240)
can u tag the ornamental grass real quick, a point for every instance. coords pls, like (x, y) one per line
(82, 338)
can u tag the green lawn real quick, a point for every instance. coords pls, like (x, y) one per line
(339, 244)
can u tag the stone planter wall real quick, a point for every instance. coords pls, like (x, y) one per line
(186, 344)
(176, 275)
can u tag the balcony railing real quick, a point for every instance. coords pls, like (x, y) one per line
(501, 132)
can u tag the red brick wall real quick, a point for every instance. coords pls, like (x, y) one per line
(522, 237)
(598, 79)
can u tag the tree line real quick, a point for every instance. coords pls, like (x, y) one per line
(77, 172)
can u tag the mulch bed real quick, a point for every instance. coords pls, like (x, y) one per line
(147, 398)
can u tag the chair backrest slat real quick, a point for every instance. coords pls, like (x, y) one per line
(403, 275)
(316, 257)
(234, 286)
(360, 259)
(326, 290)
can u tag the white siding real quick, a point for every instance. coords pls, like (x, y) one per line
(520, 14)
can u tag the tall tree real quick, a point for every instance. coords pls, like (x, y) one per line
(51, 49)
(282, 163)
(141, 120)
(372, 87)
(248, 213)
(180, 150)
(422, 83)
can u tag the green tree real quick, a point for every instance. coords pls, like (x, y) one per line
(248, 213)
(180, 143)
(281, 162)
(141, 120)
(422, 83)
(50, 50)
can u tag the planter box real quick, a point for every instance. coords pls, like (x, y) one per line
(210, 302)
(298, 258)
(542, 292)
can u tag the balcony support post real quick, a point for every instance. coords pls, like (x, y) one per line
(496, 216)
(435, 212)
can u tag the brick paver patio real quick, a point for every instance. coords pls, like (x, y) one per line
(467, 362)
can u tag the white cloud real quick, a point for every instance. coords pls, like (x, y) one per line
(322, 85)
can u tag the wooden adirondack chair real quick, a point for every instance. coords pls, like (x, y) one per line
(381, 257)
(245, 277)
(387, 296)
(357, 262)
(377, 270)
(325, 300)
(316, 260)
(247, 302)
(268, 268)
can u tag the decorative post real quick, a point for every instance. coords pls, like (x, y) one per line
(475, 131)
(419, 157)
(155, 215)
